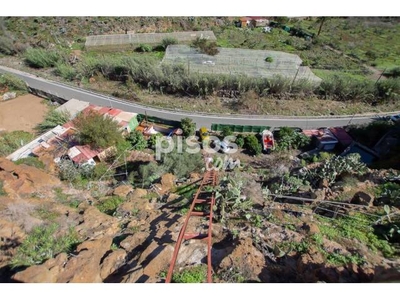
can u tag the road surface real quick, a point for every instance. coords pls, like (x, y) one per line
(68, 92)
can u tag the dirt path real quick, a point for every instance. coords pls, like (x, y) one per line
(376, 74)
(22, 113)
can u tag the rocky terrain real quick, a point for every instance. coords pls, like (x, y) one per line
(287, 242)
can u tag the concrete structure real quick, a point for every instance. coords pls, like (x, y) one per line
(73, 107)
(118, 42)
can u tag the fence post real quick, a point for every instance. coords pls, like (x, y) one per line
(295, 76)
(380, 76)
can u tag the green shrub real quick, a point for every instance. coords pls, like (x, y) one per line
(13, 82)
(30, 161)
(65, 71)
(388, 89)
(226, 131)
(46, 214)
(240, 140)
(11, 141)
(393, 72)
(52, 118)
(357, 227)
(179, 164)
(43, 243)
(144, 48)
(152, 141)
(253, 145)
(102, 170)
(197, 274)
(168, 41)
(68, 171)
(336, 166)
(7, 45)
(97, 130)
(346, 88)
(269, 59)
(205, 46)
(41, 58)
(188, 127)
(390, 190)
(137, 140)
(288, 139)
(110, 205)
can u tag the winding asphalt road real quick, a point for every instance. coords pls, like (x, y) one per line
(68, 92)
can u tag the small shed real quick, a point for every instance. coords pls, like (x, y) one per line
(253, 22)
(260, 21)
(83, 155)
(343, 137)
(245, 21)
(323, 138)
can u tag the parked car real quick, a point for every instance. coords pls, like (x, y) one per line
(395, 118)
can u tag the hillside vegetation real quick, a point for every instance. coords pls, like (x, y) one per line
(343, 55)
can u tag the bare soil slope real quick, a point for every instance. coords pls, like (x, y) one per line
(22, 113)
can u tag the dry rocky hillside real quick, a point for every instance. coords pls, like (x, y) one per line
(52, 232)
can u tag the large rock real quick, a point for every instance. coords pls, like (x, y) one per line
(168, 181)
(23, 180)
(85, 267)
(139, 201)
(9, 96)
(132, 241)
(158, 257)
(97, 224)
(246, 258)
(48, 160)
(10, 231)
(137, 194)
(307, 264)
(112, 262)
(123, 191)
(48, 272)
(318, 195)
(363, 198)
(11, 235)
(310, 228)
(36, 274)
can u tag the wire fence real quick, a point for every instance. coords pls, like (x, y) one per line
(240, 61)
(114, 41)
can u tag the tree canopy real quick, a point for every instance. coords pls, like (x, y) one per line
(97, 130)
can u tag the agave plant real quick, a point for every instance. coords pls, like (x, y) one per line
(230, 200)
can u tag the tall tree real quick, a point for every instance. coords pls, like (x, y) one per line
(97, 130)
